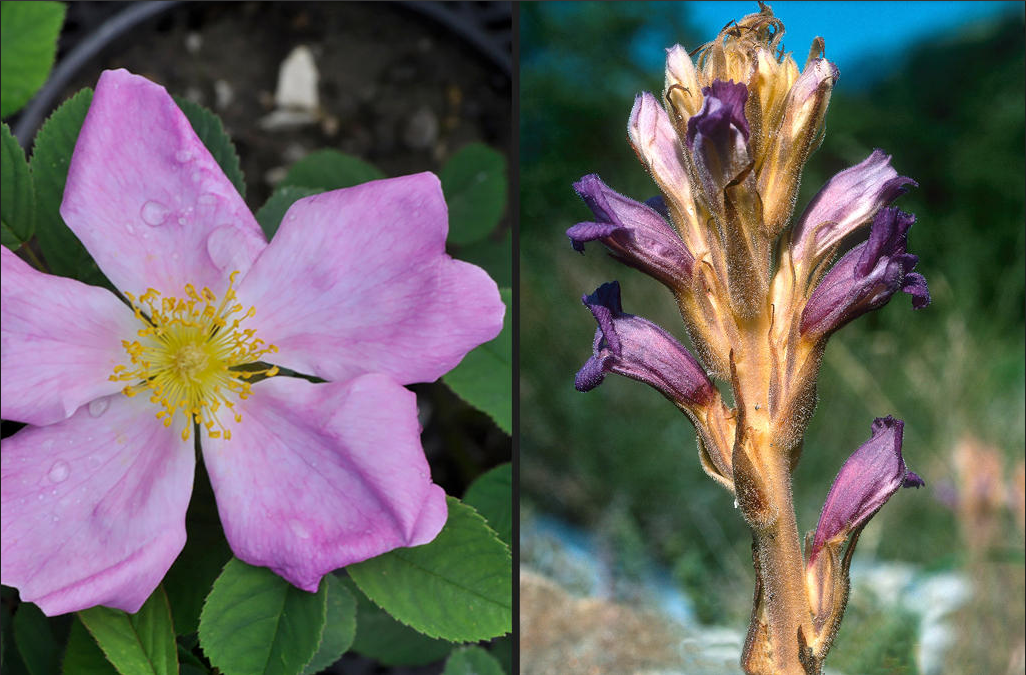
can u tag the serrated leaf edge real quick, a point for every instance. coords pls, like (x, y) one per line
(135, 633)
(495, 536)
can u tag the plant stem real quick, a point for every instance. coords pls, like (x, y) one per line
(780, 569)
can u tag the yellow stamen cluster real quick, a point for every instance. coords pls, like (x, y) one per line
(189, 354)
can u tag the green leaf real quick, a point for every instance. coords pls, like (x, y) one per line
(83, 656)
(502, 650)
(496, 257)
(142, 643)
(270, 214)
(474, 184)
(339, 628)
(256, 622)
(459, 587)
(211, 131)
(17, 198)
(188, 663)
(472, 660)
(491, 494)
(28, 44)
(382, 638)
(35, 640)
(51, 156)
(330, 170)
(10, 661)
(484, 378)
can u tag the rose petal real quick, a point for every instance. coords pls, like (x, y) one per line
(144, 194)
(319, 476)
(94, 506)
(59, 341)
(357, 281)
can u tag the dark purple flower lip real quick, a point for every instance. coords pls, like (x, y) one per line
(718, 140)
(722, 108)
(867, 277)
(634, 347)
(869, 477)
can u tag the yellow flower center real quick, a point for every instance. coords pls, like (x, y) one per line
(192, 355)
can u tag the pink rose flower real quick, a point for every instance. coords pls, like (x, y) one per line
(355, 289)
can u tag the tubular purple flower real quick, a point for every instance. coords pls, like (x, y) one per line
(866, 277)
(634, 233)
(848, 200)
(718, 139)
(634, 347)
(867, 480)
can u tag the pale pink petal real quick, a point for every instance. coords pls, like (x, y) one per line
(357, 281)
(319, 476)
(59, 341)
(144, 194)
(94, 506)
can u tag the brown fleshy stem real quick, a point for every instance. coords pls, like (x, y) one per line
(780, 570)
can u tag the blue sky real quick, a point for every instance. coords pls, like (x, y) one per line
(855, 32)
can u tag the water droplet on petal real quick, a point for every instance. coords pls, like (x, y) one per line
(196, 176)
(59, 472)
(56, 518)
(154, 213)
(129, 228)
(99, 406)
(299, 529)
(40, 496)
(183, 156)
(181, 220)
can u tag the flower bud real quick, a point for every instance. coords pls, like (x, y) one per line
(847, 201)
(655, 142)
(866, 277)
(634, 233)
(682, 88)
(867, 480)
(790, 143)
(634, 347)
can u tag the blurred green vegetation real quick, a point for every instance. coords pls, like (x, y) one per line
(951, 113)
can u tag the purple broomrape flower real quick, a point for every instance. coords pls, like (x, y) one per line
(867, 480)
(866, 277)
(355, 288)
(634, 347)
(847, 201)
(634, 233)
(718, 138)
